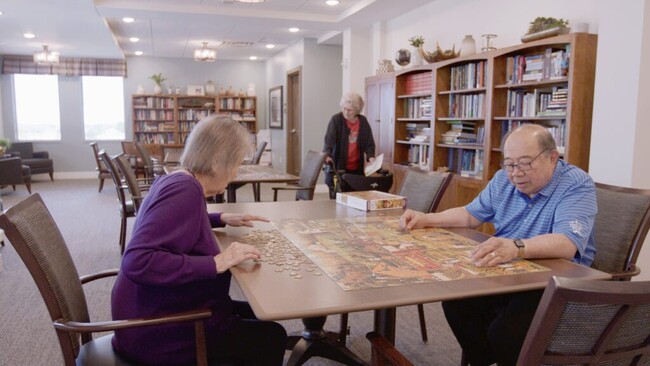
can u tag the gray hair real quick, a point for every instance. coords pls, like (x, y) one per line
(352, 101)
(215, 145)
(544, 138)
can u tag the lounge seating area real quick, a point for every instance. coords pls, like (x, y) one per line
(39, 162)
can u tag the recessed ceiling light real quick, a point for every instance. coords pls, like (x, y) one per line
(270, 45)
(253, 58)
(294, 29)
(134, 39)
(332, 2)
(29, 35)
(250, 1)
(138, 53)
(128, 20)
(0, 13)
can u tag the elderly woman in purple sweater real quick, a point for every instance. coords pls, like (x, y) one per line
(172, 263)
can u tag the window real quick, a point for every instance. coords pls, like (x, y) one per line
(37, 107)
(103, 105)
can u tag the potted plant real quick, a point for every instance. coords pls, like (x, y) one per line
(4, 145)
(416, 42)
(543, 27)
(158, 79)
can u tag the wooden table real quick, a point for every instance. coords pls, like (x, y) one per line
(275, 296)
(257, 174)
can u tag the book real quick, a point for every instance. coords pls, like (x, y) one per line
(374, 166)
(371, 200)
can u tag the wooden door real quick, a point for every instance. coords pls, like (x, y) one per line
(294, 122)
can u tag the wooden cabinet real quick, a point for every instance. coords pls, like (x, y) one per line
(242, 109)
(154, 119)
(380, 99)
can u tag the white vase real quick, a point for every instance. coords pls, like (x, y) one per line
(416, 59)
(140, 89)
(157, 89)
(468, 46)
(210, 88)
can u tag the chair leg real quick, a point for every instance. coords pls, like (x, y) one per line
(14, 186)
(122, 234)
(101, 184)
(423, 323)
(29, 187)
(275, 195)
(51, 176)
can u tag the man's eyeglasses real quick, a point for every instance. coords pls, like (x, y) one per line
(522, 165)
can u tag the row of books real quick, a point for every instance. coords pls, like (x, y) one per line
(468, 76)
(151, 126)
(154, 115)
(236, 103)
(463, 133)
(557, 128)
(193, 114)
(467, 105)
(418, 83)
(155, 138)
(187, 126)
(237, 116)
(557, 104)
(466, 162)
(418, 155)
(153, 102)
(418, 132)
(538, 103)
(417, 107)
(552, 64)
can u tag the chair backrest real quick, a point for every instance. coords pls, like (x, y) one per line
(146, 159)
(621, 227)
(258, 153)
(30, 228)
(117, 178)
(424, 189)
(11, 171)
(311, 168)
(100, 166)
(586, 322)
(25, 149)
(130, 179)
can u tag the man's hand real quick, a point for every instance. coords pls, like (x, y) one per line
(241, 219)
(234, 254)
(412, 220)
(494, 251)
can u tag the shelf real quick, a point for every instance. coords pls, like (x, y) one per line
(463, 91)
(461, 146)
(405, 142)
(529, 84)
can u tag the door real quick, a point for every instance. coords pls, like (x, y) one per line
(294, 122)
(380, 96)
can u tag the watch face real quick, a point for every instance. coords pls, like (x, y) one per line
(519, 243)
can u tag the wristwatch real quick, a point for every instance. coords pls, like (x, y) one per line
(521, 246)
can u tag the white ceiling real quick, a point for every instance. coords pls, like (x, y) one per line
(174, 28)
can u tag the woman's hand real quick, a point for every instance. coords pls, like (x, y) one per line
(234, 254)
(233, 219)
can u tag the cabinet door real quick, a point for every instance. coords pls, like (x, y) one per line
(379, 111)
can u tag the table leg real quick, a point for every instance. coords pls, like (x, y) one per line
(315, 342)
(385, 323)
(232, 193)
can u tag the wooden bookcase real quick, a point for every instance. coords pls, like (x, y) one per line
(485, 92)
(167, 120)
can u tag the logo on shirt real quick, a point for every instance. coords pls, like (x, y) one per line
(577, 228)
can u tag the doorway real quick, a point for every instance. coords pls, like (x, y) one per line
(294, 121)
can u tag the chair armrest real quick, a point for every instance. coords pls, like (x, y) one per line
(292, 188)
(626, 275)
(111, 325)
(382, 350)
(98, 275)
(41, 154)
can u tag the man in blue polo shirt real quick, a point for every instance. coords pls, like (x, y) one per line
(541, 207)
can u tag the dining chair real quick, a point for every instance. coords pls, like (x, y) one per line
(255, 160)
(102, 171)
(126, 207)
(30, 228)
(423, 191)
(131, 152)
(621, 227)
(305, 187)
(152, 165)
(130, 180)
(383, 353)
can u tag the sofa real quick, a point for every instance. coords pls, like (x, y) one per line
(39, 162)
(13, 171)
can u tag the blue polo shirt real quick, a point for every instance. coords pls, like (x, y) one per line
(566, 205)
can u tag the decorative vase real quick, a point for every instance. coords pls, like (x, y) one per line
(403, 57)
(210, 88)
(416, 59)
(157, 89)
(140, 89)
(468, 46)
(251, 90)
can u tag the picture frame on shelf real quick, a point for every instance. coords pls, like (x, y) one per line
(275, 107)
(195, 90)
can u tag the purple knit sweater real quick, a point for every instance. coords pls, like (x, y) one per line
(168, 267)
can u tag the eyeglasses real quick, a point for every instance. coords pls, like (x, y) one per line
(523, 166)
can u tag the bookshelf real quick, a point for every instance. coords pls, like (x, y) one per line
(485, 95)
(413, 113)
(154, 119)
(239, 108)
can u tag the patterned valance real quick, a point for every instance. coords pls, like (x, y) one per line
(67, 66)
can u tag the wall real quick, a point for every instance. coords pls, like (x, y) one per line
(72, 156)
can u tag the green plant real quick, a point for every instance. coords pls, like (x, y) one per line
(5, 143)
(416, 41)
(158, 78)
(543, 23)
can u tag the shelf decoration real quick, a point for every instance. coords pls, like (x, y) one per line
(543, 27)
(438, 54)
(403, 57)
(158, 79)
(416, 42)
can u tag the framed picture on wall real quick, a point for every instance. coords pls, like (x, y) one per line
(275, 107)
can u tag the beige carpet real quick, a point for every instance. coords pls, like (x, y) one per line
(89, 222)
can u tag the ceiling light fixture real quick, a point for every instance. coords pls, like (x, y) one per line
(134, 39)
(128, 20)
(205, 54)
(46, 57)
(138, 53)
(270, 45)
(332, 2)
(250, 1)
(253, 58)
(29, 35)
(294, 29)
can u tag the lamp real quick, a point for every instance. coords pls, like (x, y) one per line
(205, 54)
(46, 57)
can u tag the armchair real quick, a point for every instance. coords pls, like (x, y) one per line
(39, 162)
(12, 172)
